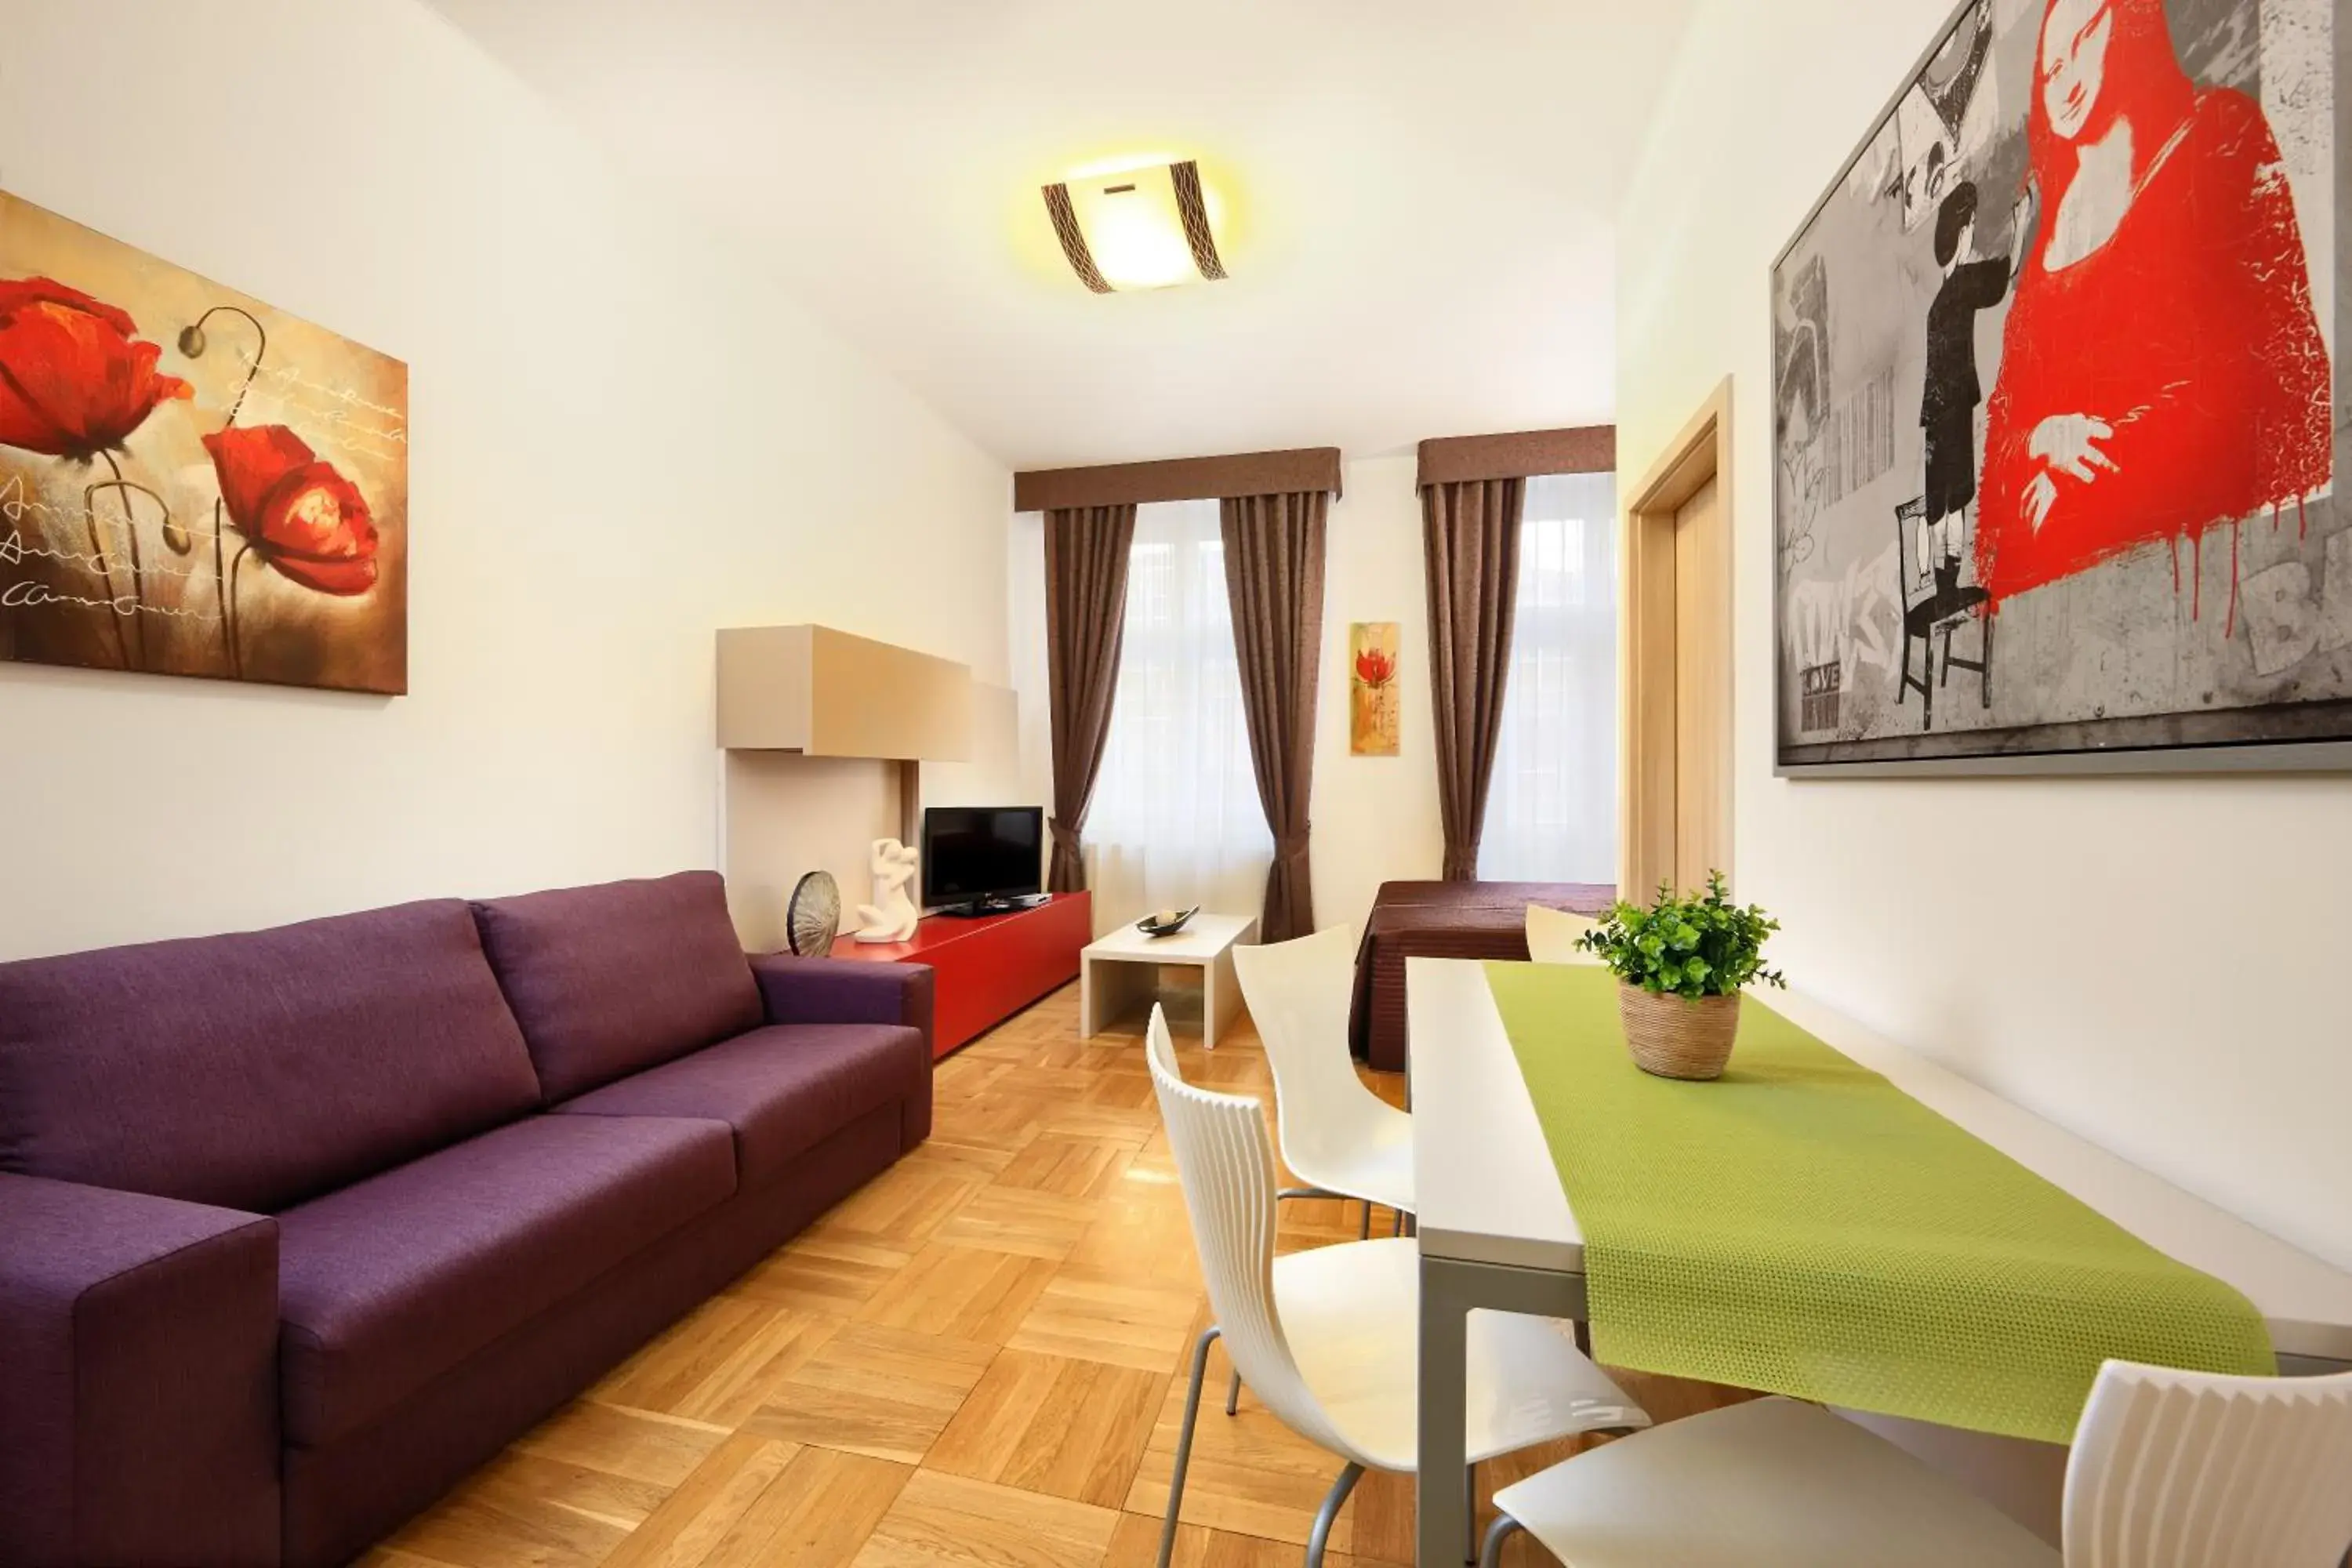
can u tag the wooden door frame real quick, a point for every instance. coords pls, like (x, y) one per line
(1647, 764)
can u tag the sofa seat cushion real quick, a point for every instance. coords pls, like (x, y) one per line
(784, 1088)
(387, 1284)
(613, 979)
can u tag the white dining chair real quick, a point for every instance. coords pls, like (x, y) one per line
(1329, 1337)
(1342, 1139)
(2169, 1469)
(1553, 933)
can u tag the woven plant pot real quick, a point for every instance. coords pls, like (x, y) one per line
(1673, 1037)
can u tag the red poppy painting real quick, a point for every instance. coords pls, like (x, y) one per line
(1374, 719)
(192, 482)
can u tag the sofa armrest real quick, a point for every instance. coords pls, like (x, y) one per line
(845, 991)
(853, 991)
(138, 1380)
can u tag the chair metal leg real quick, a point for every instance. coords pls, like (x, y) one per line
(1304, 1193)
(1234, 1395)
(1470, 1513)
(1502, 1530)
(1398, 1229)
(1185, 1443)
(1366, 1233)
(1332, 1502)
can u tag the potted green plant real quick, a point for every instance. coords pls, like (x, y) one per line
(1679, 965)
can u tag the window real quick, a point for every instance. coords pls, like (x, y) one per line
(1176, 819)
(1551, 808)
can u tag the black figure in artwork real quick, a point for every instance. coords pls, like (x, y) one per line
(1947, 406)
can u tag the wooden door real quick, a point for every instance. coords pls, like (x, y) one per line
(1702, 688)
(1676, 656)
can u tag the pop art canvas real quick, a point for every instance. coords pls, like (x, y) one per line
(2056, 402)
(192, 483)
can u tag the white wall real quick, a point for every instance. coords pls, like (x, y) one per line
(2152, 962)
(624, 436)
(1375, 818)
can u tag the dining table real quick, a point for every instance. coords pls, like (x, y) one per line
(1496, 1232)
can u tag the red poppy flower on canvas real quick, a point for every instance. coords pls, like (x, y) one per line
(300, 514)
(153, 521)
(74, 379)
(1372, 714)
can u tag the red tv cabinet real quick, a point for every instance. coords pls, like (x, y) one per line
(986, 970)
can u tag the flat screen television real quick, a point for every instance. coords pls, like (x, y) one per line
(982, 860)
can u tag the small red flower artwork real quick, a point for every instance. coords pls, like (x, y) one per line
(299, 514)
(1373, 728)
(75, 379)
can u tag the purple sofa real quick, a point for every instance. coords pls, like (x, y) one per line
(298, 1227)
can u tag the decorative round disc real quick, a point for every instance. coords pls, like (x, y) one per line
(814, 916)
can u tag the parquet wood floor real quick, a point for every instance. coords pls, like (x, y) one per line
(974, 1362)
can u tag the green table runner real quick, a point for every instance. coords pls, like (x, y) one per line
(1800, 1226)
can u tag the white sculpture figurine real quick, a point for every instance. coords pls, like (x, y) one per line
(892, 915)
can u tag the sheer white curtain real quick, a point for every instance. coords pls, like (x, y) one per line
(1176, 819)
(1551, 810)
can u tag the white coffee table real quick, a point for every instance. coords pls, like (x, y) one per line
(1120, 971)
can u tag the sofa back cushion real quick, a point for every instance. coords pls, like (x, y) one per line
(615, 978)
(256, 1070)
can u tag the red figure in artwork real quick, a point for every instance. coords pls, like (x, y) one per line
(2161, 370)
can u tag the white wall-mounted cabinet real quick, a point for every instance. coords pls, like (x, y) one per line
(826, 693)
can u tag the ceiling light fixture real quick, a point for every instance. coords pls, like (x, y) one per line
(1145, 227)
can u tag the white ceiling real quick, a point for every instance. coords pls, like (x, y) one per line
(1421, 239)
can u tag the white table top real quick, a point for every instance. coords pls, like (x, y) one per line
(1204, 936)
(1489, 1192)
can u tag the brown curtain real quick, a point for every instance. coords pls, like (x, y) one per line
(1085, 616)
(1470, 543)
(1274, 580)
